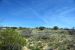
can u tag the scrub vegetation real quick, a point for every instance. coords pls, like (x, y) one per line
(39, 38)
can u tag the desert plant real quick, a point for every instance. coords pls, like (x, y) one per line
(11, 40)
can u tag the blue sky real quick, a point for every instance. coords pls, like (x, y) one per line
(33, 13)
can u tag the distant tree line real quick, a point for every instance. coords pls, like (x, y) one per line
(40, 28)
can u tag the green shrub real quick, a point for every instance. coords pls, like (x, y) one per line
(11, 40)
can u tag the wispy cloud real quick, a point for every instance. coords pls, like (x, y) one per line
(23, 9)
(49, 12)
